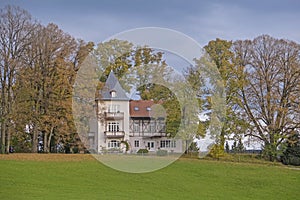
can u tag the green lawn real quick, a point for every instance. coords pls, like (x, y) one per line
(184, 179)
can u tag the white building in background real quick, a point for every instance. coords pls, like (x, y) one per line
(121, 120)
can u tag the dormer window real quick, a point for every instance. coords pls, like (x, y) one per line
(136, 108)
(148, 109)
(113, 93)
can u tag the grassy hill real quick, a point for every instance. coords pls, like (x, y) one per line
(58, 176)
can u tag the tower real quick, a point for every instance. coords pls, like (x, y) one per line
(113, 115)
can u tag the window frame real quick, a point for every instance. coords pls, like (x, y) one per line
(114, 108)
(136, 143)
(113, 144)
(113, 126)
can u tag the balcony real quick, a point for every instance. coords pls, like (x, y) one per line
(154, 134)
(114, 115)
(147, 134)
(115, 134)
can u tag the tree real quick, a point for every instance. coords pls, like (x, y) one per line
(38, 65)
(15, 35)
(227, 149)
(164, 96)
(291, 155)
(269, 80)
(208, 85)
(193, 147)
(234, 146)
(115, 55)
(135, 66)
(44, 87)
(240, 146)
(221, 54)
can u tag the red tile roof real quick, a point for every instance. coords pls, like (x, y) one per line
(141, 108)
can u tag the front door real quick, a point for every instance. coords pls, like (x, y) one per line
(150, 146)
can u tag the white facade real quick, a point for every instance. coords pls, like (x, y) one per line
(113, 124)
(153, 144)
(123, 121)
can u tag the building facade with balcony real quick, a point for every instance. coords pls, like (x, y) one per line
(132, 121)
(113, 115)
(147, 129)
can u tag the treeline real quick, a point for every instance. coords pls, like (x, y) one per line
(261, 79)
(38, 65)
(262, 82)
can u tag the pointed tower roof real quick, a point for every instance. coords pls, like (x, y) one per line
(113, 89)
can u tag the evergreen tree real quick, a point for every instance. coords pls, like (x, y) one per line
(227, 147)
(291, 155)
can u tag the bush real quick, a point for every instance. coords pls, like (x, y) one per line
(270, 152)
(67, 149)
(75, 150)
(291, 155)
(142, 151)
(162, 152)
(126, 144)
(216, 151)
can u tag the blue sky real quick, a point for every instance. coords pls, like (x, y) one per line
(95, 21)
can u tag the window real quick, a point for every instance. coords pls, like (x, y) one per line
(152, 126)
(136, 127)
(113, 93)
(113, 144)
(148, 109)
(160, 126)
(150, 145)
(173, 144)
(136, 143)
(136, 108)
(113, 126)
(114, 108)
(146, 126)
(168, 144)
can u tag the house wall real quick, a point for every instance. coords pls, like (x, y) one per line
(102, 127)
(144, 140)
(143, 144)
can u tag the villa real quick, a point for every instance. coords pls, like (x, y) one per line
(122, 120)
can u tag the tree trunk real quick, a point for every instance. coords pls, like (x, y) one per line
(7, 140)
(270, 151)
(186, 147)
(34, 141)
(3, 116)
(45, 142)
(49, 139)
(222, 138)
(3, 130)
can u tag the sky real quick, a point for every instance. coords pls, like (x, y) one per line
(97, 20)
